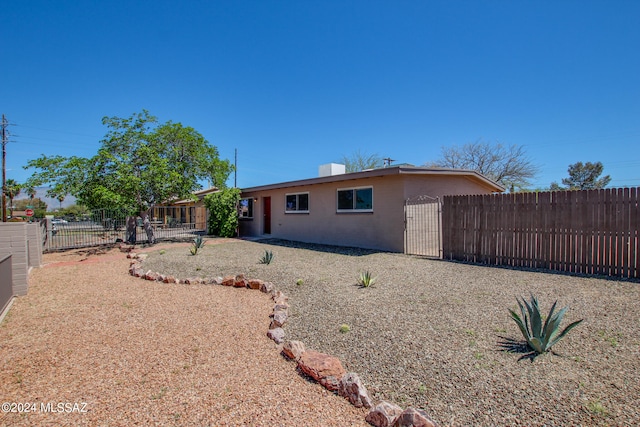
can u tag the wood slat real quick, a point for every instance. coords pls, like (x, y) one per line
(592, 232)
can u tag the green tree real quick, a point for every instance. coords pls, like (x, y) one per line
(223, 212)
(507, 165)
(11, 190)
(359, 161)
(75, 211)
(138, 165)
(583, 176)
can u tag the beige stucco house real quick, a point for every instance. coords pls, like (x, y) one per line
(362, 209)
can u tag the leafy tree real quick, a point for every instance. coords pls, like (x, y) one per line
(506, 165)
(75, 211)
(11, 190)
(359, 161)
(138, 165)
(583, 176)
(223, 212)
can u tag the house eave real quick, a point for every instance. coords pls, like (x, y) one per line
(393, 170)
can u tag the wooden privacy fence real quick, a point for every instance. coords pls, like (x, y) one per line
(587, 231)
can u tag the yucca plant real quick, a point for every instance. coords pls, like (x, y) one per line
(539, 337)
(366, 279)
(266, 258)
(198, 242)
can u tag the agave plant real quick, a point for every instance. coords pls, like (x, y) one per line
(197, 244)
(366, 279)
(540, 337)
(266, 258)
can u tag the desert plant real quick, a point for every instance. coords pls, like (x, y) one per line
(540, 337)
(197, 244)
(299, 282)
(344, 328)
(366, 279)
(266, 258)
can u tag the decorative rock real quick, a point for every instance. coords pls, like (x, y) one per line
(279, 297)
(412, 417)
(170, 279)
(160, 277)
(354, 391)
(383, 415)
(133, 255)
(138, 272)
(325, 369)
(293, 349)
(150, 275)
(214, 281)
(279, 319)
(132, 268)
(276, 334)
(255, 283)
(228, 280)
(240, 281)
(281, 307)
(141, 257)
(267, 287)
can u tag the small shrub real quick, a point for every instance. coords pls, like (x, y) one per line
(366, 279)
(596, 407)
(540, 337)
(266, 258)
(197, 244)
(344, 328)
(162, 252)
(299, 282)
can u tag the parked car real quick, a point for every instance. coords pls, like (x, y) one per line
(59, 221)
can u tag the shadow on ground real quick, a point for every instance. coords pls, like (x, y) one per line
(341, 250)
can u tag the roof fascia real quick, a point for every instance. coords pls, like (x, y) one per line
(393, 170)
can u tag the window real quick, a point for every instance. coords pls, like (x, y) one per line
(355, 199)
(297, 203)
(245, 208)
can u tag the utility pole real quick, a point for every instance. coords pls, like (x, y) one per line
(4, 168)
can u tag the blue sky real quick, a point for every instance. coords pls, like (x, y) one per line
(295, 84)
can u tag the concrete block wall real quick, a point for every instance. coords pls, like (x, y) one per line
(14, 241)
(34, 240)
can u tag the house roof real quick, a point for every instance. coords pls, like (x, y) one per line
(200, 194)
(391, 170)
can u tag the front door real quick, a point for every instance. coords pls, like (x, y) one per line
(266, 208)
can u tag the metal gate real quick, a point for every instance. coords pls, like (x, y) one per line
(423, 226)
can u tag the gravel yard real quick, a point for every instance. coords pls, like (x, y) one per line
(428, 333)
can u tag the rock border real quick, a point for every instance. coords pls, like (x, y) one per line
(325, 369)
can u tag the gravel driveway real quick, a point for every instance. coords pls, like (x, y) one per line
(428, 333)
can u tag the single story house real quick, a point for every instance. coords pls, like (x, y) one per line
(180, 212)
(361, 209)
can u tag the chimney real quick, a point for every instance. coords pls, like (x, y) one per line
(331, 169)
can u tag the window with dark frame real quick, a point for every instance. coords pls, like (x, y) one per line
(245, 208)
(355, 199)
(297, 203)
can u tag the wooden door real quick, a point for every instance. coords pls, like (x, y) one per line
(266, 209)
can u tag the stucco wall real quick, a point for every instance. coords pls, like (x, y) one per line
(443, 185)
(381, 229)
